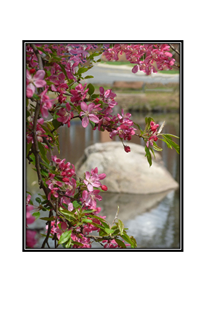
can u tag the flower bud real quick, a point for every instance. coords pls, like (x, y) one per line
(32, 71)
(104, 188)
(127, 148)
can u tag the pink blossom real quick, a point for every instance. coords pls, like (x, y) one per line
(34, 81)
(151, 140)
(30, 234)
(108, 97)
(65, 114)
(29, 218)
(153, 126)
(89, 198)
(67, 202)
(53, 192)
(46, 103)
(92, 179)
(62, 229)
(87, 114)
(30, 238)
(70, 187)
(79, 93)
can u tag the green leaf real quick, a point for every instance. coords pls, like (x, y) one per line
(76, 204)
(36, 215)
(68, 214)
(46, 165)
(120, 243)
(64, 70)
(116, 231)
(148, 120)
(89, 211)
(68, 243)
(120, 226)
(156, 147)
(86, 221)
(128, 240)
(56, 124)
(82, 70)
(88, 77)
(36, 97)
(65, 236)
(38, 200)
(148, 155)
(99, 226)
(41, 49)
(43, 152)
(32, 157)
(94, 96)
(100, 219)
(48, 219)
(91, 89)
(169, 141)
(152, 152)
(170, 135)
(137, 125)
(92, 123)
(133, 241)
(77, 243)
(29, 145)
(109, 231)
(168, 145)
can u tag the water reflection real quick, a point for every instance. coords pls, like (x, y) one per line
(154, 220)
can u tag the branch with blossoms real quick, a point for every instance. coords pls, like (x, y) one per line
(70, 201)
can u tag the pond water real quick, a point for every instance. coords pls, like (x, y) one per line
(154, 220)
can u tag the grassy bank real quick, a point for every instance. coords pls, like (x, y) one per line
(143, 100)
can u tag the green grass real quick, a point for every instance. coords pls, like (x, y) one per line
(117, 63)
(170, 71)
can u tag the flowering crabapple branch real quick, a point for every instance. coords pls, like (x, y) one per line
(73, 199)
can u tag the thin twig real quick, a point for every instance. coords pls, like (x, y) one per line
(38, 55)
(174, 49)
(48, 231)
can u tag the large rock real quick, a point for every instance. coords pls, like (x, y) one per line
(126, 172)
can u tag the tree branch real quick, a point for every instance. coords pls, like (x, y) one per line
(48, 231)
(38, 55)
(174, 49)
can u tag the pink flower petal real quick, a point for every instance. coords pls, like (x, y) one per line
(84, 106)
(85, 122)
(93, 118)
(40, 83)
(39, 75)
(29, 92)
(135, 69)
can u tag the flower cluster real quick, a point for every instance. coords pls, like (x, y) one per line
(62, 183)
(89, 113)
(30, 234)
(146, 57)
(65, 114)
(63, 186)
(74, 199)
(40, 132)
(79, 93)
(152, 133)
